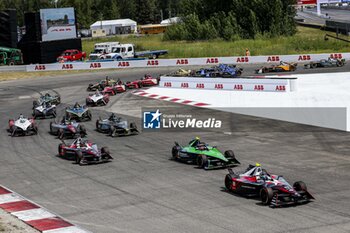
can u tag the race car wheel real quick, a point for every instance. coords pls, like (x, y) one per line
(133, 125)
(140, 84)
(299, 186)
(113, 131)
(175, 153)
(314, 65)
(340, 63)
(228, 182)
(89, 116)
(13, 130)
(58, 100)
(78, 157)
(51, 128)
(229, 154)
(105, 152)
(82, 131)
(60, 133)
(266, 195)
(35, 104)
(98, 125)
(90, 87)
(202, 161)
(35, 130)
(61, 150)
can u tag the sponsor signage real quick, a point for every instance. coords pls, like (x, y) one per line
(58, 24)
(307, 2)
(236, 84)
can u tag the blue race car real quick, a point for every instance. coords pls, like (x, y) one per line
(78, 113)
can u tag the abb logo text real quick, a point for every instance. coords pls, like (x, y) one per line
(243, 59)
(280, 88)
(200, 85)
(62, 30)
(123, 64)
(304, 58)
(336, 56)
(182, 62)
(219, 86)
(95, 65)
(40, 67)
(67, 66)
(184, 85)
(153, 63)
(212, 60)
(238, 87)
(167, 84)
(258, 87)
(273, 58)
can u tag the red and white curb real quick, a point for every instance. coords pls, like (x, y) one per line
(170, 99)
(34, 215)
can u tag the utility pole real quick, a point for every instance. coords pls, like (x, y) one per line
(318, 3)
(161, 15)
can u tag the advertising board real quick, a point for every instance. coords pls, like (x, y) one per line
(58, 24)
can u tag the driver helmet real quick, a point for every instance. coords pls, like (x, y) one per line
(21, 116)
(76, 105)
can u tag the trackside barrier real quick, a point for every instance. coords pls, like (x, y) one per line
(183, 62)
(232, 84)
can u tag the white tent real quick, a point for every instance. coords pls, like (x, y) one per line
(172, 20)
(117, 26)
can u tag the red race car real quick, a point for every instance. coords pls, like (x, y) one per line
(84, 152)
(146, 81)
(273, 190)
(71, 55)
(113, 90)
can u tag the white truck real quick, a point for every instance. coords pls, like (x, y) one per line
(127, 52)
(102, 49)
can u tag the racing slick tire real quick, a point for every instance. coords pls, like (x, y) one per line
(82, 131)
(202, 161)
(61, 151)
(140, 84)
(78, 157)
(266, 195)
(98, 125)
(175, 153)
(35, 104)
(105, 152)
(229, 154)
(89, 87)
(35, 130)
(89, 116)
(340, 63)
(307, 66)
(113, 131)
(60, 134)
(133, 127)
(52, 130)
(314, 65)
(13, 130)
(228, 182)
(299, 186)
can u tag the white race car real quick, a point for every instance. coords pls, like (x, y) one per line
(22, 126)
(97, 99)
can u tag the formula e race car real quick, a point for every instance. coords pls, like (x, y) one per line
(330, 62)
(107, 82)
(47, 98)
(182, 73)
(205, 156)
(45, 110)
(67, 128)
(84, 152)
(273, 190)
(97, 99)
(116, 126)
(113, 90)
(220, 71)
(78, 113)
(146, 81)
(282, 67)
(22, 126)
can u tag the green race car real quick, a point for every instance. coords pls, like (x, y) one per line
(205, 156)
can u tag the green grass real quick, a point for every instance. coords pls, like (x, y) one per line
(306, 40)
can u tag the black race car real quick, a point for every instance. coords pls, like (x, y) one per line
(116, 126)
(273, 190)
(67, 128)
(78, 113)
(84, 152)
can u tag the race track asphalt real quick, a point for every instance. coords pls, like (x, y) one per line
(142, 190)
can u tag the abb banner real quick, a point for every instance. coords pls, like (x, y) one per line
(236, 84)
(181, 62)
(307, 2)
